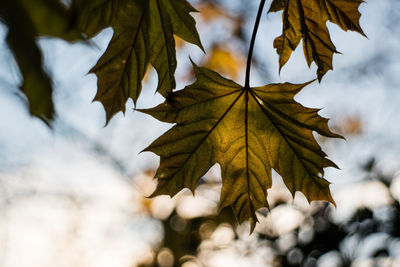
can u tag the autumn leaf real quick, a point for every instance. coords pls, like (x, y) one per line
(248, 132)
(212, 11)
(143, 33)
(225, 61)
(306, 20)
(26, 21)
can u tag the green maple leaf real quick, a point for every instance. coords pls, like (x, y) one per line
(306, 20)
(249, 132)
(26, 21)
(143, 33)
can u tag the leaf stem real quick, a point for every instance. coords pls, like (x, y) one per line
(252, 42)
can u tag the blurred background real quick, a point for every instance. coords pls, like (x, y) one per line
(75, 195)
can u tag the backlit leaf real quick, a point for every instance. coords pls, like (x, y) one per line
(248, 132)
(306, 20)
(143, 33)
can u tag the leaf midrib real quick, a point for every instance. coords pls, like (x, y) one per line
(166, 44)
(209, 132)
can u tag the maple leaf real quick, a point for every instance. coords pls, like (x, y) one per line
(306, 20)
(26, 20)
(143, 33)
(249, 132)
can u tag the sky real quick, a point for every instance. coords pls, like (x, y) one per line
(81, 157)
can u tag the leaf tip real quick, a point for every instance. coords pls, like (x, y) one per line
(340, 136)
(109, 116)
(146, 149)
(47, 120)
(193, 63)
(333, 202)
(334, 165)
(152, 195)
(279, 70)
(200, 45)
(309, 82)
(253, 224)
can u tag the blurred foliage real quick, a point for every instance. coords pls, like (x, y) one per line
(26, 21)
(317, 240)
(182, 237)
(224, 61)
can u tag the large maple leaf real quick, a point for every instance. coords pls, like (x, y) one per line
(143, 34)
(306, 20)
(249, 132)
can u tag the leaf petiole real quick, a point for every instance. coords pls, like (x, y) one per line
(252, 42)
